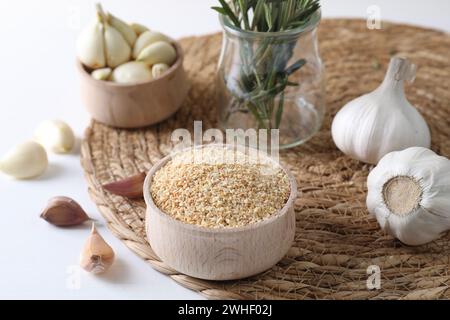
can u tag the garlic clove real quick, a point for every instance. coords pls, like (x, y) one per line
(158, 52)
(409, 194)
(131, 187)
(90, 46)
(139, 28)
(371, 126)
(25, 161)
(64, 212)
(159, 69)
(131, 73)
(102, 74)
(147, 38)
(125, 30)
(117, 49)
(56, 136)
(97, 256)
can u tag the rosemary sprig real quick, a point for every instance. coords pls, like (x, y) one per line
(265, 73)
(268, 15)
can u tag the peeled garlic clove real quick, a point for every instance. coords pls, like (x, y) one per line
(102, 74)
(117, 49)
(139, 28)
(132, 72)
(56, 136)
(383, 121)
(147, 38)
(159, 69)
(409, 194)
(25, 161)
(64, 212)
(158, 52)
(131, 187)
(90, 46)
(125, 30)
(97, 256)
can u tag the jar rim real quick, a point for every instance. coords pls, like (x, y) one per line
(232, 29)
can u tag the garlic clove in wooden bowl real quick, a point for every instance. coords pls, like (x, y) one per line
(135, 105)
(220, 253)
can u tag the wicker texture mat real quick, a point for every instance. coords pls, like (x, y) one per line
(336, 241)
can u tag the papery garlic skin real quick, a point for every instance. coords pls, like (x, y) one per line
(25, 161)
(158, 52)
(90, 46)
(64, 212)
(56, 136)
(427, 220)
(371, 126)
(131, 73)
(97, 256)
(147, 38)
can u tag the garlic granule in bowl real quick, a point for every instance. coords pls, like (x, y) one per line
(217, 187)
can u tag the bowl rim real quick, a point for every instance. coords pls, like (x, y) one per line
(204, 230)
(178, 63)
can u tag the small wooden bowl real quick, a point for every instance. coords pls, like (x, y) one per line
(135, 105)
(219, 254)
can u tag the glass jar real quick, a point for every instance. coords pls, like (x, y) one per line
(272, 81)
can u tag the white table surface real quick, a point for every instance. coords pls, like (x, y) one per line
(38, 81)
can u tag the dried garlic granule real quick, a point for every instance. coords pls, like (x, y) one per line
(216, 187)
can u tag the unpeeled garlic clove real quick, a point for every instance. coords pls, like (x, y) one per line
(102, 74)
(90, 46)
(130, 188)
(139, 28)
(97, 256)
(55, 135)
(159, 69)
(147, 38)
(125, 30)
(158, 52)
(64, 212)
(131, 73)
(25, 161)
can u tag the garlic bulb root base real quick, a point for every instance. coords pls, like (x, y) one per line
(402, 195)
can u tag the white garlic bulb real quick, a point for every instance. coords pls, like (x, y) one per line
(383, 121)
(131, 73)
(409, 194)
(158, 52)
(55, 135)
(147, 38)
(101, 44)
(25, 161)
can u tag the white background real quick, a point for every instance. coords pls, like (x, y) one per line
(38, 81)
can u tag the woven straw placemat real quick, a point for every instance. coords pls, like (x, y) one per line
(336, 240)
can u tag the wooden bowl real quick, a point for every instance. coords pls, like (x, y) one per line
(219, 254)
(135, 105)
